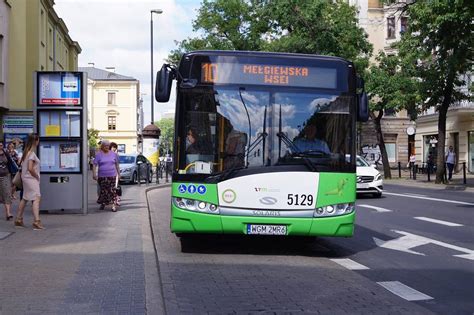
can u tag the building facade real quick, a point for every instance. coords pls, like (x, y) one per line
(32, 38)
(384, 26)
(459, 134)
(113, 107)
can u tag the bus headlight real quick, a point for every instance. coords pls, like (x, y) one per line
(334, 210)
(195, 205)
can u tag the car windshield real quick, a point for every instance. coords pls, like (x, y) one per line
(126, 159)
(229, 128)
(361, 162)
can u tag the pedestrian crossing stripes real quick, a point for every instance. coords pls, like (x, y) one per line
(404, 291)
(350, 264)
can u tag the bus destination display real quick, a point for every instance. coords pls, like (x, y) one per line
(265, 74)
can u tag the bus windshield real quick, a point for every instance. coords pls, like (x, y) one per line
(234, 127)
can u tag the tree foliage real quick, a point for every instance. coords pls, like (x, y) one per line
(439, 46)
(298, 26)
(166, 126)
(92, 138)
(390, 88)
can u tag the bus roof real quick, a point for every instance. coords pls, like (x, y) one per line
(263, 54)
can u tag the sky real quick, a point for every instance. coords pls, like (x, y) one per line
(116, 33)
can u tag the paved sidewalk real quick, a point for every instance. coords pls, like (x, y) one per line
(422, 181)
(100, 263)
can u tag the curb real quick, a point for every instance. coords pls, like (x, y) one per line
(428, 185)
(161, 307)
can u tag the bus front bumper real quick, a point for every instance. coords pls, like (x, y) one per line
(183, 221)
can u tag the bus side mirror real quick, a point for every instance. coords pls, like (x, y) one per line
(164, 79)
(363, 108)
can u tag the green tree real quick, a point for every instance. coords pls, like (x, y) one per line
(390, 89)
(298, 26)
(92, 138)
(166, 126)
(315, 27)
(226, 25)
(439, 44)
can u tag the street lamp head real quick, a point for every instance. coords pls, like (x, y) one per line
(157, 11)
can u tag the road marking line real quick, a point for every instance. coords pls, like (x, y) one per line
(378, 209)
(418, 195)
(429, 198)
(404, 291)
(438, 221)
(350, 264)
(409, 240)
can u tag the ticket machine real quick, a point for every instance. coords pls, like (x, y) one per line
(60, 119)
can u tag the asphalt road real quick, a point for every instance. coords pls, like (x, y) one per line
(423, 238)
(399, 261)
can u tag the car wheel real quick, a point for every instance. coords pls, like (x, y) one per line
(378, 195)
(134, 178)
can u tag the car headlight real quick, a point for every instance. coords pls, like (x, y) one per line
(334, 210)
(378, 176)
(195, 205)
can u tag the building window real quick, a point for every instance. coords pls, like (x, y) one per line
(403, 24)
(391, 152)
(121, 148)
(112, 122)
(390, 112)
(391, 27)
(111, 98)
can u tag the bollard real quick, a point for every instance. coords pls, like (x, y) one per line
(166, 171)
(138, 175)
(415, 166)
(410, 169)
(429, 171)
(399, 170)
(147, 174)
(445, 174)
(157, 173)
(464, 179)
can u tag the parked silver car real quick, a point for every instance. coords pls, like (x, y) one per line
(134, 166)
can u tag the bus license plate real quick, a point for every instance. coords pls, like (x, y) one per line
(262, 229)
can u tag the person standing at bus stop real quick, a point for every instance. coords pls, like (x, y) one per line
(30, 176)
(450, 161)
(107, 166)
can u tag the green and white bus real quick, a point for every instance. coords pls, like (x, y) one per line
(264, 143)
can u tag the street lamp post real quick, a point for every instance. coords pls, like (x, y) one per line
(157, 11)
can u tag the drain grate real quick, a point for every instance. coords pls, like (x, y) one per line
(4, 235)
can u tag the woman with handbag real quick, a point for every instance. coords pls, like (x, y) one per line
(30, 177)
(5, 182)
(14, 156)
(106, 171)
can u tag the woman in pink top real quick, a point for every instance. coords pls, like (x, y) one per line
(30, 176)
(106, 166)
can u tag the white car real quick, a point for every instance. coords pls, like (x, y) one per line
(369, 180)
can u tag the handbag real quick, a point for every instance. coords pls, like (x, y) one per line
(12, 166)
(17, 180)
(118, 188)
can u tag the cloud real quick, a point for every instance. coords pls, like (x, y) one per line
(116, 33)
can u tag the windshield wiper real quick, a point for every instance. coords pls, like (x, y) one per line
(310, 153)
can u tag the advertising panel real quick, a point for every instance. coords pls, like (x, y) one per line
(60, 156)
(59, 88)
(150, 150)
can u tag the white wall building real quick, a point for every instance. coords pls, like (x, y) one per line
(113, 107)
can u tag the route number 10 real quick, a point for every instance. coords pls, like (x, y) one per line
(209, 72)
